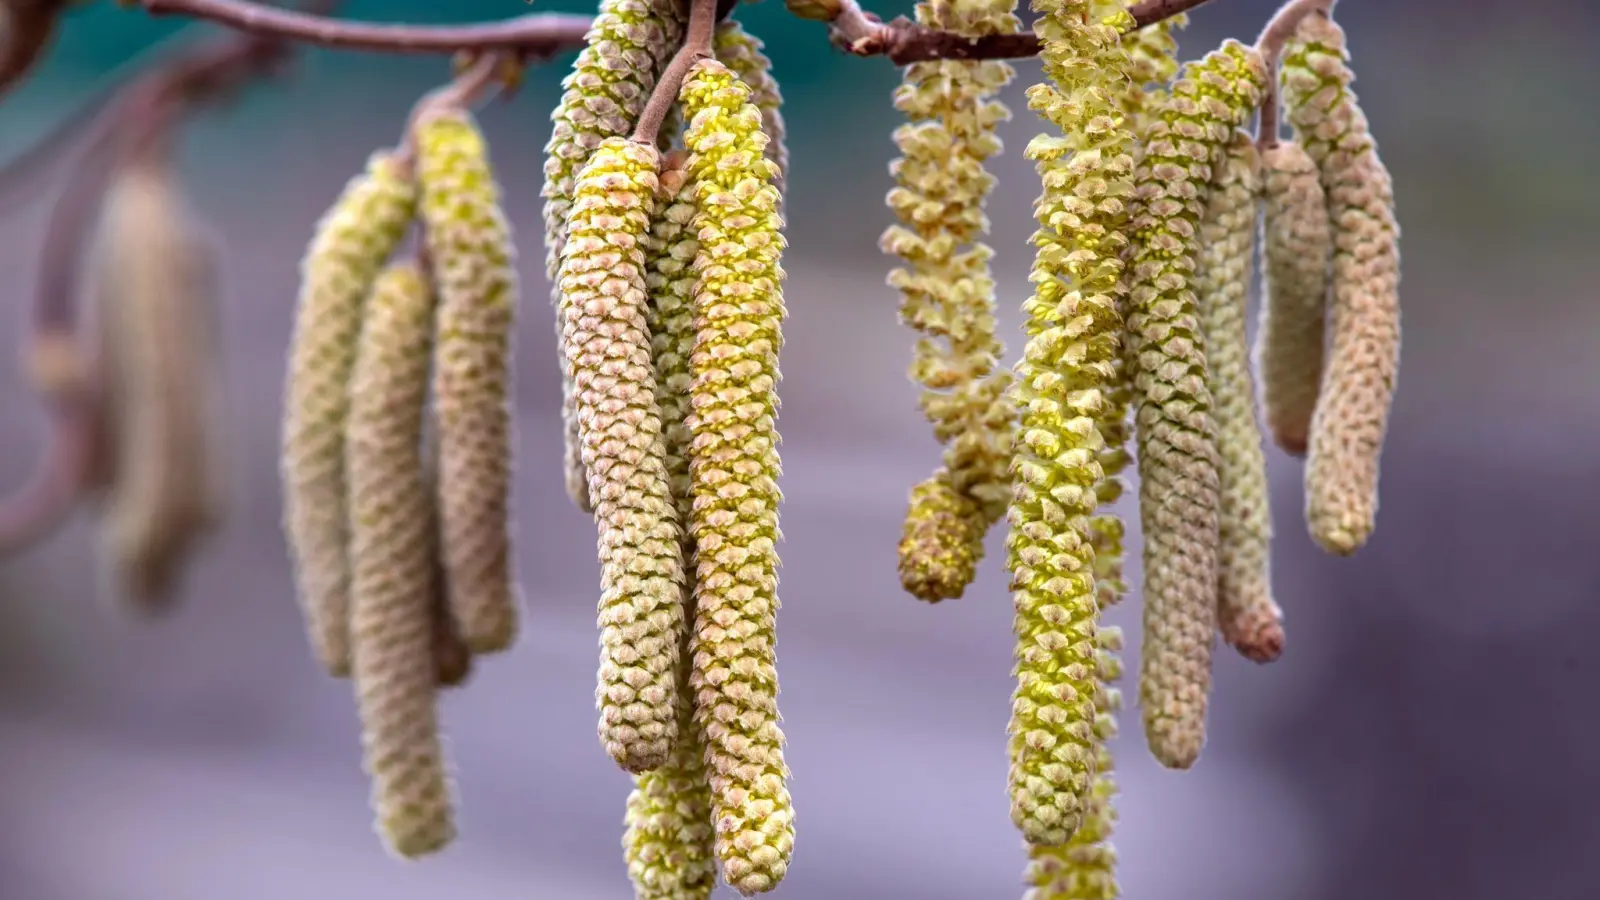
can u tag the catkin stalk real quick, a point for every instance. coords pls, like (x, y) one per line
(469, 245)
(733, 472)
(1357, 391)
(392, 586)
(352, 242)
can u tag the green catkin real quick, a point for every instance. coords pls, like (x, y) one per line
(1247, 617)
(352, 242)
(627, 47)
(392, 586)
(734, 467)
(1074, 336)
(740, 51)
(1296, 253)
(1179, 490)
(948, 297)
(1363, 359)
(607, 345)
(668, 843)
(471, 255)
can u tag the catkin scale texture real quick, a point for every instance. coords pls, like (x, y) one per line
(607, 343)
(471, 255)
(1247, 616)
(392, 586)
(1363, 357)
(740, 51)
(627, 46)
(1179, 489)
(733, 470)
(352, 242)
(1296, 254)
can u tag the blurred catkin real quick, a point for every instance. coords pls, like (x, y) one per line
(452, 658)
(669, 843)
(1152, 62)
(1297, 248)
(1247, 617)
(1074, 337)
(157, 290)
(1357, 391)
(471, 255)
(1179, 490)
(948, 296)
(734, 467)
(628, 45)
(392, 588)
(352, 241)
(740, 51)
(607, 345)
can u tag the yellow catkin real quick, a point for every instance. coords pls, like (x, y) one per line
(352, 242)
(628, 44)
(1152, 62)
(157, 289)
(469, 244)
(948, 297)
(740, 51)
(1179, 491)
(1297, 248)
(668, 843)
(392, 587)
(607, 345)
(1357, 392)
(733, 471)
(1247, 617)
(1074, 336)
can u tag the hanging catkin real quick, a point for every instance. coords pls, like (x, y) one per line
(1247, 617)
(740, 51)
(1152, 62)
(452, 659)
(948, 297)
(733, 466)
(1297, 248)
(469, 244)
(668, 844)
(1177, 440)
(352, 241)
(392, 585)
(628, 44)
(1357, 391)
(607, 346)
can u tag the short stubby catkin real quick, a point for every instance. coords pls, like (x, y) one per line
(733, 469)
(352, 242)
(1357, 392)
(628, 44)
(740, 51)
(607, 345)
(471, 256)
(1247, 617)
(392, 586)
(1296, 252)
(1179, 490)
(941, 541)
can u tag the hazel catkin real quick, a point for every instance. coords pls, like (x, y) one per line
(740, 51)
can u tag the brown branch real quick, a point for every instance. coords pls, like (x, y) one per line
(1270, 45)
(696, 46)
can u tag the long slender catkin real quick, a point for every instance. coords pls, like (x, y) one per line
(733, 470)
(470, 247)
(607, 346)
(352, 241)
(1247, 616)
(392, 585)
(1357, 391)
(1297, 250)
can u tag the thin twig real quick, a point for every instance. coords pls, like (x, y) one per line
(696, 46)
(1270, 45)
(463, 92)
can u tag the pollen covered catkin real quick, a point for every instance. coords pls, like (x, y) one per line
(1247, 617)
(352, 242)
(740, 51)
(1179, 489)
(469, 244)
(607, 345)
(733, 473)
(1357, 390)
(948, 297)
(392, 586)
(628, 45)
(1074, 335)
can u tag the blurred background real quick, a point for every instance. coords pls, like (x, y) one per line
(1424, 735)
